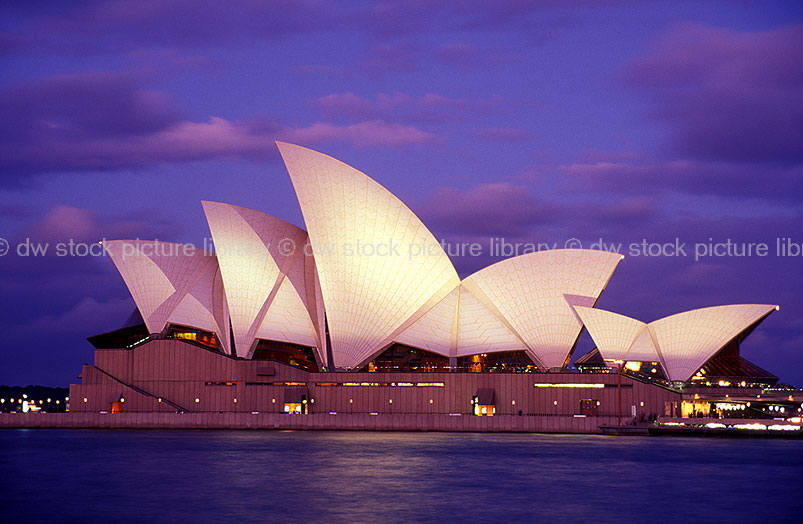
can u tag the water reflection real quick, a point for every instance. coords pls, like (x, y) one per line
(246, 476)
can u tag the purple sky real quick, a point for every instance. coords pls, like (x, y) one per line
(518, 119)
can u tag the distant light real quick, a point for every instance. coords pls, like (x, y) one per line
(122, 399)
(555, 403)
(390, 401)
(197, 400)
(430, 401)
(2, 401)
(66, 399)
(642, 404)
(84, 399)
(513, 402)
(777, 308)
(159, 399)
(273, 401)
(48, 400)
(24, 395)
(351, 401)
(235, 400)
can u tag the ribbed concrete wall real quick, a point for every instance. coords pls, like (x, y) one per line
(196, 380)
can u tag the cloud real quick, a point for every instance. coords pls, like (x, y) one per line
(351, 105)
(63, 222)
(698, 177)
(499, 209)
(430, 108)
(81, 106)
(105, 122)
(504, 134)
(457, 53)
(362, 134)
(727, 95)
(102, 27)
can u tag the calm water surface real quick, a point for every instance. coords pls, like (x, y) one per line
(269, 476)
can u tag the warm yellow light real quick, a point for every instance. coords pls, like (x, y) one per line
(84, 399)
(430, 401)
(642, 404)
(351, 401)
(555, 403)
(273, 401)
(122, 399)
(159, 400)
(513, 402)
(633, 366)
(569, 385)
(390, 401)
(197, 400)
(235, 400)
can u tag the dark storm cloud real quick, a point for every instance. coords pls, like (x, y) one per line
(727, 95)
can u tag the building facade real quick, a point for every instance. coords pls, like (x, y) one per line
(363, 312)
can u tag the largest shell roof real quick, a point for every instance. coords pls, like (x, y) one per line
(368, 273)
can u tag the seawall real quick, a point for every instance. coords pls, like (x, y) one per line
(317, 421)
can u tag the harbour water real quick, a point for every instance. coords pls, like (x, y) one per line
(107, 476)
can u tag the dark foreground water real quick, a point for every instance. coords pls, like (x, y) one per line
(267, 476)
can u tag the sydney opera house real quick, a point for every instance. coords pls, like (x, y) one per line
(364, 313)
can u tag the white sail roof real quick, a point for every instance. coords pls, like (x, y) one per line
(262, 263)
(534, 293)
(681, 342)
(377, 263)
(173, 283)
